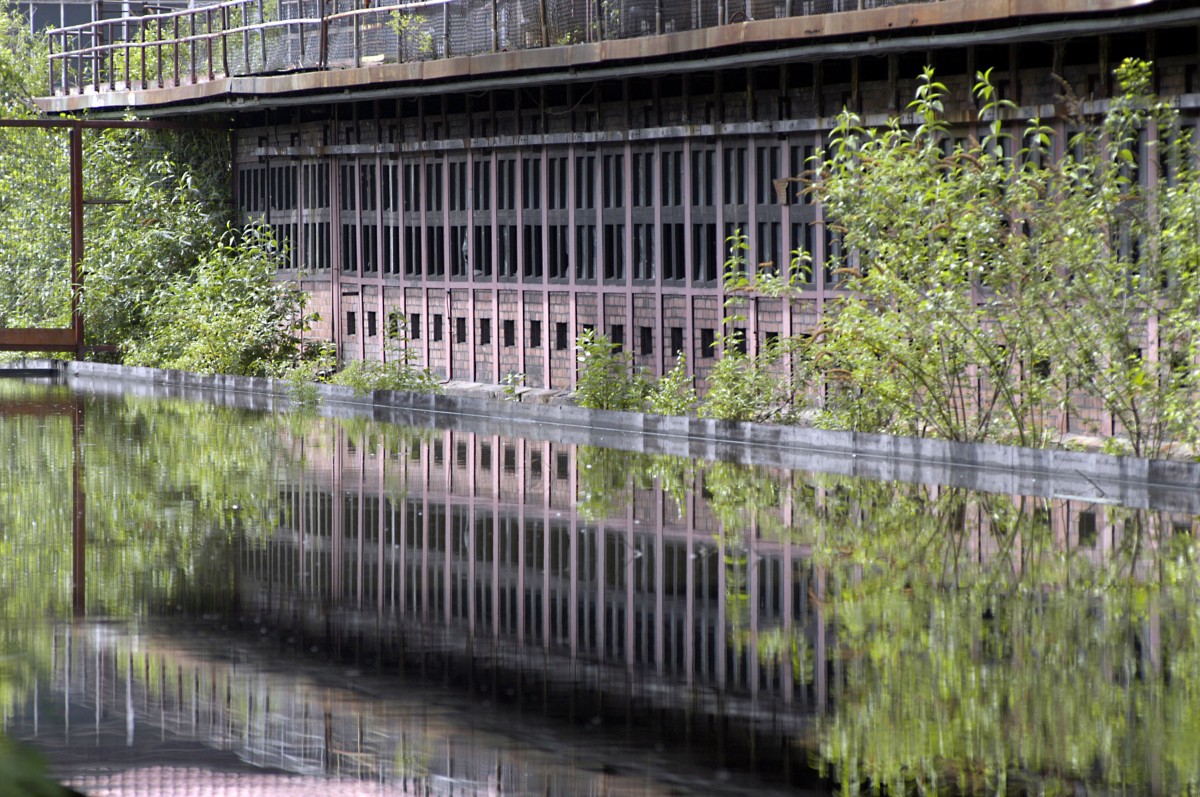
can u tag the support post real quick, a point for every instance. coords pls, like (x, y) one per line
(76, 179)
(495, 28)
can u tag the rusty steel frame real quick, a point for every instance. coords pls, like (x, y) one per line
(71, 339)
(74, 409)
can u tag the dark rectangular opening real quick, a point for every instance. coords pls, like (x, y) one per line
(535, 334)
(437, 327)
(676, 341)
(1087, 529)
(645, 341)
(618, 336)
(707, 338)
(371, 324)
(460, 330)
(351, 323)
(485, 331)
(510, 332)
(560, 336)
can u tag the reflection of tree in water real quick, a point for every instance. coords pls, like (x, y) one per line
(978, 643)
(976, 652)
(972, 642)
(170, 488)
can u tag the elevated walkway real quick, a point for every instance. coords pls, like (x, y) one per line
(244, 53)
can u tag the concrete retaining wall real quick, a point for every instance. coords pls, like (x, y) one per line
(1131, 481)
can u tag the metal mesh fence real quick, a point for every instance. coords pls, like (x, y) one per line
(246, 37)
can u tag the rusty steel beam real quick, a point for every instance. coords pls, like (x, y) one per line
(71, 339)
(32, 339)
(76, 166)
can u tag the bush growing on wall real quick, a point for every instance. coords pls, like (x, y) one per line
(991, 287)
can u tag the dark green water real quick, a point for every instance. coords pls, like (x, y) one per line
(289, 599)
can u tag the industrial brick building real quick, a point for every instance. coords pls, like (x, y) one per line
(504, 174)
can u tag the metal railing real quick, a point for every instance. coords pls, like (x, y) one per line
(257, 37)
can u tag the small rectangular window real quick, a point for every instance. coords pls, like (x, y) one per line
(1087, 529)
(414, 326)
(510, 332)
(676, 341)
(485, 331)
(535, 334)
(560, 336)
(371, 324)
(562, 466)
(437, 327)
(460, 330)
(646, 341)
(618, 336)
(351, 323)
(707, 338)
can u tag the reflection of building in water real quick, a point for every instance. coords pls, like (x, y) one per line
(129, 698)
(480, 536)
(701, 605)
(487, 547)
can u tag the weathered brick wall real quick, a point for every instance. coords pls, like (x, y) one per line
(403, 157)
(462, 332)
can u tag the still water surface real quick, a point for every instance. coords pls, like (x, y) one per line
(188, 588)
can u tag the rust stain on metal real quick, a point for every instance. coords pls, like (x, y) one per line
(34, 339)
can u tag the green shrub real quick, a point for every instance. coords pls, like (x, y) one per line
(608, 379)
(228, 315)
(675, 393)
(364, 377)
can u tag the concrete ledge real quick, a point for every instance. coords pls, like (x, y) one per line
(1049, 473)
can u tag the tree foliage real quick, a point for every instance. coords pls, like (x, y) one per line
(961, 254)
(167, 279)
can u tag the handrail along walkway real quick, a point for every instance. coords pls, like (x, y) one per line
(262, 37)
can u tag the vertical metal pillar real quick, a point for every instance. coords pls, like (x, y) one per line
(495, 29)
(76, 179)
(446, 30)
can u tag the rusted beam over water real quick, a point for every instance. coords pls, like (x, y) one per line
(31, 339)
(71, 339)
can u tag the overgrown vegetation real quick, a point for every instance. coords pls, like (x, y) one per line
(170, 280)
(992, 287)
(398, 371)
(991, 290)
(413, 36)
